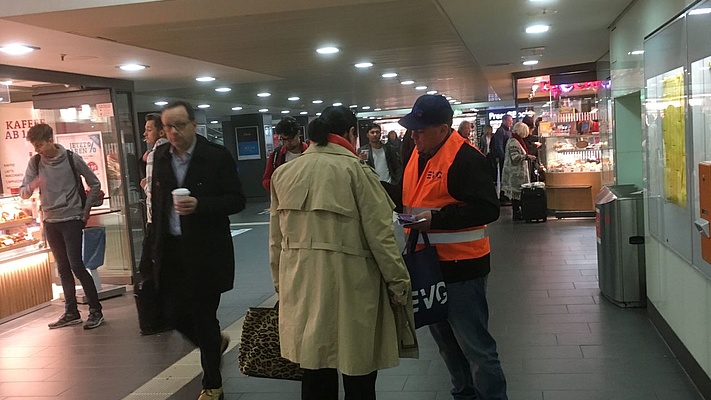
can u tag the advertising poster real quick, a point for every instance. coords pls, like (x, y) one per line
(89, 146)
(247, 143)
(15, 151)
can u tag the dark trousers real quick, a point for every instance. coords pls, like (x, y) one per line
(322, 384)
(516, 208)
(192, 314)
(65, 240)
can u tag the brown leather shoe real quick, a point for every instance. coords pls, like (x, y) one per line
(211, 394)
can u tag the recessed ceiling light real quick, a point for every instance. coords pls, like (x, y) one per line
(537, 28)
(214, 122)
(16, 49)
(203, 106)
(407, 82)
(264, 94)
(285, 111)
(432, 92)
(317, 101)
(223, 89)
(364, 65)
(337, 104)
(448, 97)
(636, 52)
(236, 108)
(377, 109)
(294, 98)
(452, 101)
(304, 112)
(318, 114)
(353, 106)
(8, 83)
(327, 50)
(132, 67)
(530, 62)
(204, 79)
(420, 87)
(366, 107)
(389, 75)
(457, 102)
(160, 103)
(700, 11)
(263, 110)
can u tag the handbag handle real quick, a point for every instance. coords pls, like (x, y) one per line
(412, 240)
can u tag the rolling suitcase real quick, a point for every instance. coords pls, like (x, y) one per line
(534, 206)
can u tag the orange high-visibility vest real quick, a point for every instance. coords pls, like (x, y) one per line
(429, 192)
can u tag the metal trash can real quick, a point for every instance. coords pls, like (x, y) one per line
(619, 213)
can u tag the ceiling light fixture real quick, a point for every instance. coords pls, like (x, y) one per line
(161, 103)
(317, 101)
(203, 106)
(304, 113)
(264, 94)
(530, 62)
(294, 98)
(389, 75)
(407, 82)
(377, 109)
(214, 122)
(327, 50)
(452, 101)
(432, 92)
(635, 52)
(366, 107)
(16, 49)
(285, 111)
(353, 106)
(700, 11)
(318, 114)
(132, 67)
(337, 104)
(263, 110)
(363, 65)
(204, 79)
(420, 87)
(236, 108)
(223, 89)
(537, 28)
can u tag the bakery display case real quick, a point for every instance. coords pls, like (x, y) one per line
(25, 273)
(571, 152)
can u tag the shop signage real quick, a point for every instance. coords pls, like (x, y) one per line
(16, 119)
(90, 147)
(247, 143)
(105, 109)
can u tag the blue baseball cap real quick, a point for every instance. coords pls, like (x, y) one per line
(429, 110)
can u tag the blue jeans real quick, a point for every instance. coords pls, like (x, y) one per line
(466, 345)
(65, 241)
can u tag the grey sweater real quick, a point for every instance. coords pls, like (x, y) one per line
(58, 190)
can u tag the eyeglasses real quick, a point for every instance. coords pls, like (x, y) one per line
(178, 126)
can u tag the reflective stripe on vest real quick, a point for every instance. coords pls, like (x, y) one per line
(429, 192)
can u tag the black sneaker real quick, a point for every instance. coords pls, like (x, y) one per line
(95, 319)
(66, 320)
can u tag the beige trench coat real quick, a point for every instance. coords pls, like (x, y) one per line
(333, 259)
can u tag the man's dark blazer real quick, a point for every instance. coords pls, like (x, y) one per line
(213, 180)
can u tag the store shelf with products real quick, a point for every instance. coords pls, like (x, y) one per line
(572, 156)
(25, 273)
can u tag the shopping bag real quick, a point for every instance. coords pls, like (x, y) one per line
(259, 350)
(429, 293)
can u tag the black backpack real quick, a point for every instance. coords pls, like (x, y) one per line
(77, 177)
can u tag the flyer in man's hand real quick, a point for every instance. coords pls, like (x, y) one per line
(408, 219)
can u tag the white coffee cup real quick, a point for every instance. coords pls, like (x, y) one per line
(179, 194)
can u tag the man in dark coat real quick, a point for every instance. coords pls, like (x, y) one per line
(193, 251)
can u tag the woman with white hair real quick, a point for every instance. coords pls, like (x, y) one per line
(515, 171)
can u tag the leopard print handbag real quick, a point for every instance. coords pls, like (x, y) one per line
(259, 351)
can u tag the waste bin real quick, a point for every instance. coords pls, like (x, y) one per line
(619, 213)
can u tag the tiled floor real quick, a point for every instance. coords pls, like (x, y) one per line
(558, 340)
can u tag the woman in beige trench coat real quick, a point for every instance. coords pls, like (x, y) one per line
(335, 264)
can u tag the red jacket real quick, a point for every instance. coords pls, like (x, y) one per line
(273, 162)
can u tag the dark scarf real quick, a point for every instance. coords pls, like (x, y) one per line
(520, 140)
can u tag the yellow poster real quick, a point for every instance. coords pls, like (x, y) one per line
(674, 141)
